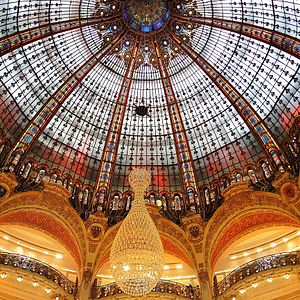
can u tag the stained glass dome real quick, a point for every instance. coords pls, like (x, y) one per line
(197, 92)
(145, 15)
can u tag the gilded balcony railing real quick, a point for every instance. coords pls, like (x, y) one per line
(163, 286)
(256, 266)
(38, 267)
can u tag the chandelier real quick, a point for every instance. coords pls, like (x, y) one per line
(137, 255)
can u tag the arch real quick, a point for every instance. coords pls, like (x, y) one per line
(243, 211)
(245, 224)
(170, 247)
(48, 211)
(173, 238)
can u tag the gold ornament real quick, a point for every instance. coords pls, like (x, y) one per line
(137, 254)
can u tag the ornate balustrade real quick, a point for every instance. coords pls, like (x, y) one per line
(38, 267)
(256, 266)
(162, 286)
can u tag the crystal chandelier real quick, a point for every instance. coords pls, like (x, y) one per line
(137, 255)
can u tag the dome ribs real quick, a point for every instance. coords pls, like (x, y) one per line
(108, 158)
(256, 125)
(51, 106)
(276, 39)
(25, 37)
(183, 152)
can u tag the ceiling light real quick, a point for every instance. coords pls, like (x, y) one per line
(3, 275)
(259, 250)
(48, 290)
(233, 298)
(269, 279)
(242, 291)
(19, 278)
(255, 285)
(298, 233)
(285, 239)
(35, 283)
(46, 252)
(166, 268)
(59, 256)
(179, 266)
(286, 276)
(246, 254)
(20, 250)
(126, 268)
(273, 245)
(6, 237)
(233, 257)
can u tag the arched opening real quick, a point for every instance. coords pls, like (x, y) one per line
(179, 276)
(46, 223)
(34, 264)
(259, 262)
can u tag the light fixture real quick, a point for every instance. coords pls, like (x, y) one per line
(20, 250)
(233, 257)
(20, 278)
(6, 237)
(242, 291)
(286, 276)
(137, 254)
(285, 239)
(179, 266)
(58, 256)
(48, 290)
(246, 254)
(259, 250)
(255, 285)
(35, 283)
(3, 275)
(166, 268)
(273, 245)
(269, 279)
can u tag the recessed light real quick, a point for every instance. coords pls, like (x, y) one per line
(126, 268)
(59, 256)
